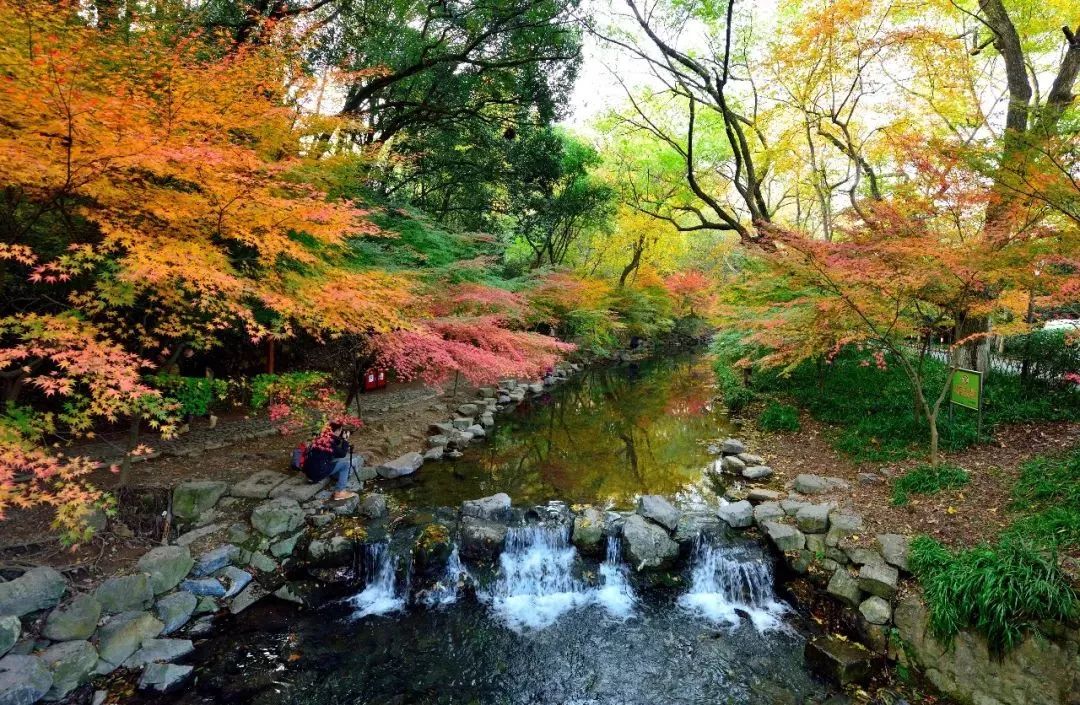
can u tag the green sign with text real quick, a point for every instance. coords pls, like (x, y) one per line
(966, 389)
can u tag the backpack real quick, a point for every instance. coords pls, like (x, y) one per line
(299, 457)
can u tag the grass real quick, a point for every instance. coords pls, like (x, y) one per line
(927, 480)
(1002, 590)
(779, 417)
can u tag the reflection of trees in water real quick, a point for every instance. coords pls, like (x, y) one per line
(611, 434)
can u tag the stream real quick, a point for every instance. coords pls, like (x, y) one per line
(545, 625)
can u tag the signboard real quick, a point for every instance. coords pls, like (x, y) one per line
(967, 389)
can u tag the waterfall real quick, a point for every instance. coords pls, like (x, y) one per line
(535, 585)
(380, 596)
(448, 589)
(614, 593)
(726, 580)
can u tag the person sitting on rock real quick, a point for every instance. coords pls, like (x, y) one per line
(331, 455)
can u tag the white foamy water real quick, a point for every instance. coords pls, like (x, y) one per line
(448, 589)
(381, 595)
(727, 581)
(614, 593)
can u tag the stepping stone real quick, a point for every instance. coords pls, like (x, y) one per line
(259, 485)
(841, 660)
(657, 509)
(402, 466)
(297, 487)
(757, 472)
(737, 514)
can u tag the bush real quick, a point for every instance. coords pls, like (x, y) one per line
(779, 417)
(1002, 590)
(195, 395)
(290, 387)
(927, 479)
(1051, 354)
(728, 349)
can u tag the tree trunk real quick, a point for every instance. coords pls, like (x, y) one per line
(932, 418)
(132, 444)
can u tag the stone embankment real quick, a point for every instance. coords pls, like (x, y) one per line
(237, 545)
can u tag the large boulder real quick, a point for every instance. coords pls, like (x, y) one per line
(481, 538)
(23, 679)
(493, 508)
(124, 634)
(36, 589)
(71, 663)
(588, 530)
(163, 677)
(166, 566)
(894, 549)
(76, 620)
(738, 515)
(659, 510)
(784, 536)
(10, 630)
(400, 467)
(646, 545)
(159, 650)
(125, 593)
(879, 579)
(277, 516)
(175, 610)
(841, 660)
(193, 499)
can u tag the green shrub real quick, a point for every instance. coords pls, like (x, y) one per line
(927, 479)
(1050, 353)
(196, 395)
(1002, 590)
(291, 386)
(779, 417)
(728, 349)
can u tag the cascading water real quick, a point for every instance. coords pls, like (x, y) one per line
(614, 593)
(381, 595)
(448, 589)
(536, 585)
(726, 580)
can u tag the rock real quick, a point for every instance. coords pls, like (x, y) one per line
(696, 523)
(659, 510)
(732, 464)
(400, 467)
(285, 547)
(247, 597)
(125, 593)
(374, 506)
(870, 478)
(468, 410)
(10, 630)
(262, 563)
(757, 472)
(208, 587)
(879, 579)
(791, 507)
(481, 538)
(813, 518)
(841, 526)
(493, 508)
(204, 626)
(732, 446)
(588, 529)
(193, 499)
(206, 605)
(784, 536)
(486, 392)
(487, 420)
(337, 550)
(344, 507)
(277, 516)
(460, 439)
(234, 580)
(476, 430)
(737, 514)
(159, 650)
(760, 494)
(811, 484)
(463, 422)
(76, 620)
(166, 566)
(894, 549)
(71, 663)
(320, 520)
(258, 485)
(439, 440)
(214, 560)
(124, 634)
(815, 543)
(875, 610)
(163, 677)
(175, 610)
(36, 589)
(23, 680)
(194, 535)
(750, 459)
(440, 428)
(767, 511)
(288, 594)
(298, 487)
(799, 561)
(434, 454)
(860, 555)
(840, 660)
(646, 545)
(844, 587)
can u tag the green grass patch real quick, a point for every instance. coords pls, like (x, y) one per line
(779, 417)
(927, 480)
(1002, 590)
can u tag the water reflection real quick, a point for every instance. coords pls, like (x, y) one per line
(608, 435)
